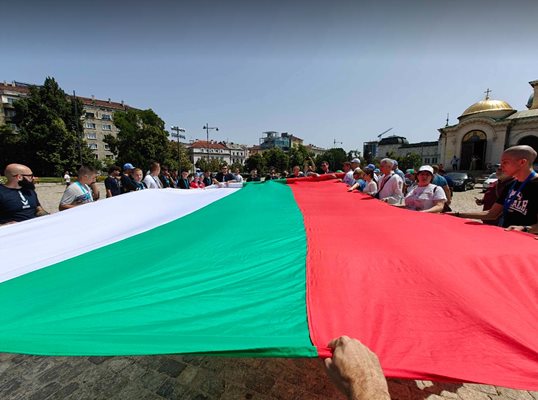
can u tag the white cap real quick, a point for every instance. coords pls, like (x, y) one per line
(426, 168)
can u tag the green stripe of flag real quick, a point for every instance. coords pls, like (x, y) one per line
(223, 279)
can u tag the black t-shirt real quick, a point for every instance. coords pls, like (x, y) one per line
(128, 184)
(224, 178)
(524, 209)
(17, 204)
(253, 179)
(112, 185)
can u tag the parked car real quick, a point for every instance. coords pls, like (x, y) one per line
(462, 180)
(490, 181)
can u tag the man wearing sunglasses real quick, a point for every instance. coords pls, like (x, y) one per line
(18, 199)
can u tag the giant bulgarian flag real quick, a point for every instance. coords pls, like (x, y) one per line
(275, 269)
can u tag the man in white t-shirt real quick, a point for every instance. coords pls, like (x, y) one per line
(152, 180)
(67, 178)
(79, 192)
(390, 184)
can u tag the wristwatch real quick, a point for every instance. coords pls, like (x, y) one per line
(526, 228)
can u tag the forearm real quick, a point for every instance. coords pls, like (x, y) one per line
(437, 208)
(40, 211)
(481, 215)
(446, 189)
(67, 206)
(373, 388)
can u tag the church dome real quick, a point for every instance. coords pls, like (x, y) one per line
(489, 108)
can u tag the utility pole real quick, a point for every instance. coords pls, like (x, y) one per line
(207, 129)
(177, 129)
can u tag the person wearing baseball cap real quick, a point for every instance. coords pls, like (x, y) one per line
(425, 196)
(128, 184)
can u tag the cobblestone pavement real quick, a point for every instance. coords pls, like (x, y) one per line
(200, 377)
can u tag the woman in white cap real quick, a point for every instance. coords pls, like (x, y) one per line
(425, 196)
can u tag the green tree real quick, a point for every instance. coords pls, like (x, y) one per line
(9, 145)
(335, 157)
(298, 155)
(256, 161)
(236, 165)
(276, 158)
(212, 165)
(173, 162)
(410, 160)
(141, 138)
(50, 131)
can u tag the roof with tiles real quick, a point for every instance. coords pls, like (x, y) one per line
(104, 103)
(202, 144)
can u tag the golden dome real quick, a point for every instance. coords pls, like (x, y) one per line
(489, 106)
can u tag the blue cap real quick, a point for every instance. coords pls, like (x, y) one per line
(371, 166)
(377, 170)
(128, 166)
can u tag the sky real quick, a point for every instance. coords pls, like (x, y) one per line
(334, 73)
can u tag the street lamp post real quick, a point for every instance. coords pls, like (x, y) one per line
(207, 128)
(177, 129)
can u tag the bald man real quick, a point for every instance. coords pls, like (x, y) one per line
(18, 199)
(517, 207)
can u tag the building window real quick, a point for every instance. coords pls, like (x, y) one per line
(427, 161)
(107, 147)
(91, 135)
(90, 115)
(92, 146)
(89, 125)
(106, 117)
(434, 160)
(11, 100)
(107, 127)
(109, 156)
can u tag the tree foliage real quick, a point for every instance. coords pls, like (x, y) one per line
(256, 161)
(276, 158)
(212, 165)
(178, 157)
(298, 155)
(335, 157)
(410, 160)
(50, 133)
(141, 138)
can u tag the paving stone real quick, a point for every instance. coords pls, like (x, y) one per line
(152, 380)
(167, 390)
(11, 385)
(482, 388)
(188, 374)
(132, 392)
(66, 390)
(260, 382)
(465, 393)
(171, 367)
(97, 360)
(117, 364)
(449, 395)
(514, 394)
(44, 392)
(534, 395)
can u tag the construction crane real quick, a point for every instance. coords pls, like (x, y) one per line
(382, 133)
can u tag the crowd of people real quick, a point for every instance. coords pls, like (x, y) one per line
(511, 203)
